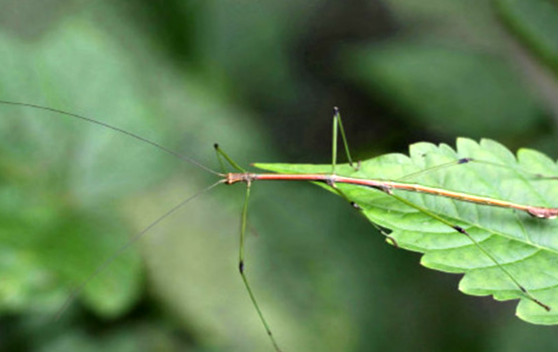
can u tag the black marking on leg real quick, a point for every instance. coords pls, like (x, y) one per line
(547, 308)
(545, 177)
(521, 288)
(241, 267)
(524, 290)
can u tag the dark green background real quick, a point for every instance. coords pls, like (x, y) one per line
(260, 78)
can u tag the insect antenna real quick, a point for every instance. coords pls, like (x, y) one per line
(117, 129)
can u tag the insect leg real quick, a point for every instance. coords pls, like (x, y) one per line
(241, 268)
(338, 125)
(464, 232)
(221, 153)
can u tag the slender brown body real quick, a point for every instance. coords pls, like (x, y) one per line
(387, 186)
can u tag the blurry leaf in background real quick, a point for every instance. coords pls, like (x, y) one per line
(137, 335)
(470, 24)
(535, 23)
(62, 176)
(447, 90)
(479, 36)
(251, 50)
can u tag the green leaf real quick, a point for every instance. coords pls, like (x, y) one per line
(535, 23)
(527, 247)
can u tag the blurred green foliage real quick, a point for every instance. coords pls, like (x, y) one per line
(429, 81)
(536, 24)
(260, 78)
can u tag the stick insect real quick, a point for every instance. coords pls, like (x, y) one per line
(336, 181)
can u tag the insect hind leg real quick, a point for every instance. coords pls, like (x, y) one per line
(222, 155)
(338, 129)
(524, 292)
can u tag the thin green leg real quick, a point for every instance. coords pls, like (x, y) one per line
(220, 158)
(462, 231)
(436, 168)
(221, 153)
(338, 125)
(243, 224)
(241, 263)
